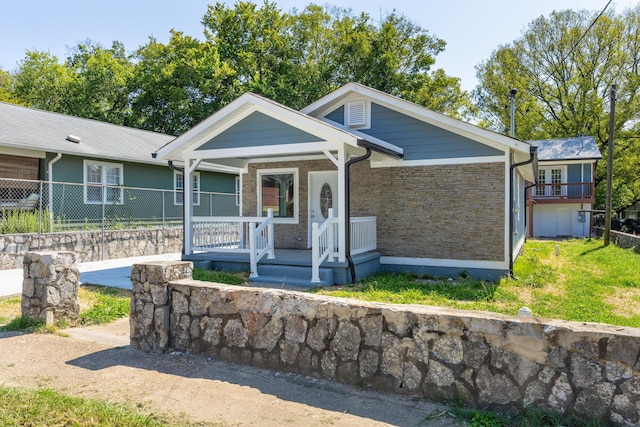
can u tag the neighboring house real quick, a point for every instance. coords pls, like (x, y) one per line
(562, 201)
(41, 145)
(411, 189)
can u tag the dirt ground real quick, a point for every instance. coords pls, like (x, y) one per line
(97, 362)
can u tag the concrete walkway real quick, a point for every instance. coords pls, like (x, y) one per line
(113, 272)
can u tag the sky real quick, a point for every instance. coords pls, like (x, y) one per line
(472, 29)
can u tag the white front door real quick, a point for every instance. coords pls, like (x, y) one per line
(323, 194)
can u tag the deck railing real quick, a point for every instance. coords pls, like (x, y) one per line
(324, 242)
(252, 235)
(577, 190)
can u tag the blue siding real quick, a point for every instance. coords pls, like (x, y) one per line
(574, 173)
(421, 140)
(586, 172)
(337, 115)
(257, 130)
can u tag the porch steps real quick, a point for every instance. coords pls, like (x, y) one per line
(291, 275)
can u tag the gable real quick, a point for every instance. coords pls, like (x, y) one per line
(256, 130)
(418, 139)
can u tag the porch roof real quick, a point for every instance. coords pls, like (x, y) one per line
(253, 127)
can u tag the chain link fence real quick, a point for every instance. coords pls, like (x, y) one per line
(28, 206)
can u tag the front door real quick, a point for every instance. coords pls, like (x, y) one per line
(323, 194)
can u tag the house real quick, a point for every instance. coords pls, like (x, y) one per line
(73, 166)
(357, 182)
(562, 202)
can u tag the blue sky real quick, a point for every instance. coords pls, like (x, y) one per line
(471, 28)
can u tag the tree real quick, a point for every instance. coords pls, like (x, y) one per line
(92, 82)
(7, 82)
(563, 67)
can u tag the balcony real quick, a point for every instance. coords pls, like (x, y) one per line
(578, 192)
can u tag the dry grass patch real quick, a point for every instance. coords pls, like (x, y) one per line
(625, 301)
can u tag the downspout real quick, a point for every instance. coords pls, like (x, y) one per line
(50, 179)
(352, 268)
(184, 219)
(532, 155)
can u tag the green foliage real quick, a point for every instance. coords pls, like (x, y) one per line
(217, 276)
(24, 324)
(48, 407)
(293, 58)
(586, 282)
(563, 69)
(108, 304)
(17, 221)
(526, 418)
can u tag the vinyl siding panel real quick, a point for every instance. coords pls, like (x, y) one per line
(421, 140)
(586, 168)
(574, 173)
(337, 115)
(258, 130)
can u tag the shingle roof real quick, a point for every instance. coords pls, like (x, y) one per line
(28, 128)
(578, 148)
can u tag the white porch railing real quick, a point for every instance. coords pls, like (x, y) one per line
(363, 234)
(324, 243)
(252, 235)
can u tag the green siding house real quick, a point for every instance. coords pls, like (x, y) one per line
(82, 170)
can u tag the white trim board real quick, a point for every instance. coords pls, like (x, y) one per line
(437, 262)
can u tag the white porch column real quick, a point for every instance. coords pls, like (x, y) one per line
(187, 199)
(342, 207)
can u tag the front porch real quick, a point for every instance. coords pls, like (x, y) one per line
(249, 244)
(291, 268)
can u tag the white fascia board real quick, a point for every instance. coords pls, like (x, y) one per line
(280, 159)
(240, 109)
(264, 151)
(438, 262)
(545, 163)
(18, 151)
(387, 163)
(507, 213)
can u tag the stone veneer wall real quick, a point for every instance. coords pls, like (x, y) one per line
(626, 240)
(486, 359)
(88, 245)
(448, 212)
(50, 287)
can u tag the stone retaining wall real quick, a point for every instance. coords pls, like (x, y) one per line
(485, 359)
(625, 240)
(90, 245)
(50, 287)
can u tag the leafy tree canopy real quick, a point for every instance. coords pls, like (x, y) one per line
(293, 58)
(563, 67)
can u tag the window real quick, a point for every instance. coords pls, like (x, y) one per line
(102, 179)
(178, 187)
(550, 182)
(278, 190)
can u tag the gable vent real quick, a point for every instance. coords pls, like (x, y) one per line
(356, 114)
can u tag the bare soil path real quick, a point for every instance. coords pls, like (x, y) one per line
(97, 362)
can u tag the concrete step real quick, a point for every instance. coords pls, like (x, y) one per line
(291, 275)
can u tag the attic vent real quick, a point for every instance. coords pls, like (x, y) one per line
(73, 138)
(356, 114)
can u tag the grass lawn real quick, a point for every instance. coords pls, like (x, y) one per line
(21, 407)
(586, 282)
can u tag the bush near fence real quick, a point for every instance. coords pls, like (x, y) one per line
(45, 206)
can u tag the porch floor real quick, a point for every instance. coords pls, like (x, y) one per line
(289, 267)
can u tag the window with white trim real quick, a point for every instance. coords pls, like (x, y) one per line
(550, 180)
(103, 182)
(178, 188)
(278, 190)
